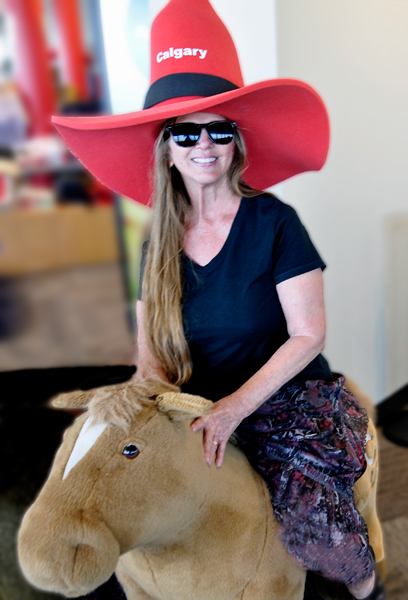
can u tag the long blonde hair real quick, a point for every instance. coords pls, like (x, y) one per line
(163, 278)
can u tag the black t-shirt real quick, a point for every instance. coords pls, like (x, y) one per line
(232, 316)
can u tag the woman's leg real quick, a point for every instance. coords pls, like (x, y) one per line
(321, 528)
(308, 444)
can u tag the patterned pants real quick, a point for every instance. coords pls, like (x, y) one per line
(308, 442)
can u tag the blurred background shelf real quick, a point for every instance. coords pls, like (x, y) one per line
(61, 237)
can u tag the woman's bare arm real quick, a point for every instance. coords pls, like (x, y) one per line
(302, 302)
(147, 365)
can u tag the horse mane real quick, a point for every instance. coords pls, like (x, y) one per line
(120, 404)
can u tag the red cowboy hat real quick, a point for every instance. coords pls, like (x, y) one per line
(195, 68)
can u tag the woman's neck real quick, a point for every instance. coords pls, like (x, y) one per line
(209, 223)
(209, 203)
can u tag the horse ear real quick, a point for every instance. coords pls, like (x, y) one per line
(78, 399)
(183, 406)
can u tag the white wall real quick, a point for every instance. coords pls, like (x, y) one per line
(126, 35)
(355, 52)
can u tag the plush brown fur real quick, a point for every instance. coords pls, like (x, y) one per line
(116, 404)
(365, 494)
(169, 525)
(365, 491)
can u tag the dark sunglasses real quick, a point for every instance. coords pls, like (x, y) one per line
(187, 135)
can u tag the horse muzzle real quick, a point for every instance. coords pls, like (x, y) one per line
(75, 555)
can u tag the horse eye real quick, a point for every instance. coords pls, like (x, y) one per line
(130, 451)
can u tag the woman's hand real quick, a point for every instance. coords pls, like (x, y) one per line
(217, 428)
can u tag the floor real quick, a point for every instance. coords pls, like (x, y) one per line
(76, 316)
(393, 512)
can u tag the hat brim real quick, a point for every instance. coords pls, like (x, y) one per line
(284, 123)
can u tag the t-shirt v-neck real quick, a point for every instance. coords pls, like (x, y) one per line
(215, 261)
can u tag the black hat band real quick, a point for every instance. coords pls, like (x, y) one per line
(178, 85)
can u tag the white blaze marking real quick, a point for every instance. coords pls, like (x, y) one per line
(84, 442)
(367, 439)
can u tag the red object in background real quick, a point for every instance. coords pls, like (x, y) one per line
(73, 56)
(42, 180)
(33, 68)
(3, 188)
(100, 194)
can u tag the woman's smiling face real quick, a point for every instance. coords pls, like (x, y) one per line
(205, 163)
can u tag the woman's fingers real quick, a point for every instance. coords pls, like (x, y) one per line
(210, 446)
(198, 424)
(220, 454)
(214, 447)
(217, 428)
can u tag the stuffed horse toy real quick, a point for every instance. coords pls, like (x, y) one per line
(130, 492)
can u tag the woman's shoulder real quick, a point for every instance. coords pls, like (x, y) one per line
(268, 206)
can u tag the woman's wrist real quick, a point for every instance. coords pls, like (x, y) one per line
(240, 404)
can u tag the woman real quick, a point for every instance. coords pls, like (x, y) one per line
(211, 203)
(232, 300)
(205, 186)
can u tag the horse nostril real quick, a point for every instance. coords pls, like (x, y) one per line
(130, 451)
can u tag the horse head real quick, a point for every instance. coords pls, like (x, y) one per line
(105, 494)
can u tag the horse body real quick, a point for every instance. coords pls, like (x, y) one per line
(143, 502)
